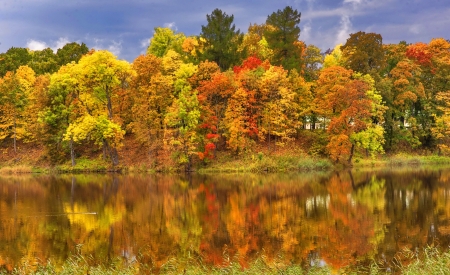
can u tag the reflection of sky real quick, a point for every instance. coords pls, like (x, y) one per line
(124, 27)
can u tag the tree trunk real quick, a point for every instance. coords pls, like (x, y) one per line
(15, 135)
(72, 152)
(351, 154)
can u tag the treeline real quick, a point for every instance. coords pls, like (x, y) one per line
(226, 90)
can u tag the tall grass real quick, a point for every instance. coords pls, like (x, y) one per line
(19, 169)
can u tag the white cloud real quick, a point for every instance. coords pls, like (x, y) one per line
(61, 42)
(144, 45)
(345, 28)
(115, 48)
(415, 29)
(36, 45)
(171, 25)
(305, 33)
(353, 1)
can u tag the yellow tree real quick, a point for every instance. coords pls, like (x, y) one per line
(101, 76)
(152, 93)
(280, 113)
(15, 89)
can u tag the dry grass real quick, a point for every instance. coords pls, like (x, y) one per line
(19, 169)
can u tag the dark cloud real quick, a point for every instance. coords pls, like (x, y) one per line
(122, 26)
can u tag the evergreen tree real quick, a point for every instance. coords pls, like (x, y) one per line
(221, 40)
(281, 34)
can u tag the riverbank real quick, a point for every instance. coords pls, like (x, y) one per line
(255, 163)
(133, 160)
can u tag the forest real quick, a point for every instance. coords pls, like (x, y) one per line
(225, 91)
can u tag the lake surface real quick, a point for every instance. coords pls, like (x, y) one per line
(336, 219)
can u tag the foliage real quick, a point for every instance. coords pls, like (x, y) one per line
(221, 40)
(282, 33)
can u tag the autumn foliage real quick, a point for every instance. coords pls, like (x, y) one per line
(363, 97)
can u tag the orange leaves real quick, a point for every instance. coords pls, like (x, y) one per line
(250, 63)
(420, 53)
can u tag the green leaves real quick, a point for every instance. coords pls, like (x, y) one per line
(222, 40)
(281, 34)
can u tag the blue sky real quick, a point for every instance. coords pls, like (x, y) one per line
(125, 26)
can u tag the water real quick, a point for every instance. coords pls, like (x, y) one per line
(334, 219)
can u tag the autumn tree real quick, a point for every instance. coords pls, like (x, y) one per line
(363, 52)
(352, 105)
(255, 43)
(221, 40)
(15, 89)
(101, 76)
(165, 39)
(213, 98)
(63, 108)
(182, 118)
(152, 93)
(281, 33)
(280, 113)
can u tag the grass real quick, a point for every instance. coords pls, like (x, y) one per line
(260, 162)
(429, 261)
(83, 165)
(19, 169)
(402, 160)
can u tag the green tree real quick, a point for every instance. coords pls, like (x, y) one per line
(44, 61)
(71, 52)
(13, 59)
(281, 34)
(182, 118)
(165, 39)
(221, 40)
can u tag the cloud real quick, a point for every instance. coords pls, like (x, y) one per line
(345, 29)
(144, 45)
(171, 25)
(415, 29)
(115, 48)
(353, 1)
(61, 42)
(36, 45)
(305, 33)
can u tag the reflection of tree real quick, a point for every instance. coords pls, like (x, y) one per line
(348, 235)
(340, 219)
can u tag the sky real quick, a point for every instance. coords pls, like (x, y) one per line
(125, 27)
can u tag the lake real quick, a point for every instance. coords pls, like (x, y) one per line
(334, 219)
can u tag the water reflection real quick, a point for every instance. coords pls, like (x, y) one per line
(335, 219)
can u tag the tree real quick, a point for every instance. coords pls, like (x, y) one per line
(313, 62)
(101, 76)
(280, 114)
(15, 89)
(182, 118)
(281, 34)
(64, 108)
(71, 52)
(255, 44)
(13, 59)
(152, 93)
(165, 39)
(222, 40)
(364, 53)
(44, 61)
